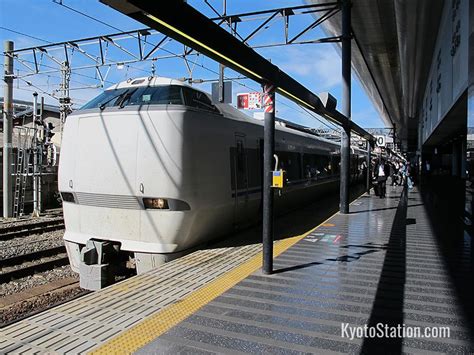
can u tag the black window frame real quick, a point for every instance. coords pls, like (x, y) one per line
(190, 101)
(116, 97)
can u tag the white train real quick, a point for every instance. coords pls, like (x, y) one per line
(155, 167)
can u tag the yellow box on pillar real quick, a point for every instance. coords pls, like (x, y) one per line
(278, 179)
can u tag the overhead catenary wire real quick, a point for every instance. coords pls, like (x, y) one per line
(31, 90)
(329, 124)
(51, 67)
(38, 88)
(49, 42)
(114, 62)
(24, 34)
(60, 2)
(51, 76)
(40, 64)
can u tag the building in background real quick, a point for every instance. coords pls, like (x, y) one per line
(22, 140)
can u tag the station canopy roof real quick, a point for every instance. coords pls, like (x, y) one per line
(392, 51)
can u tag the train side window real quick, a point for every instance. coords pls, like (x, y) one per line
(198, 100)
(290, 162)
(309, 164)
(240, 156)
(323, 165)
(253, 167)
(335, 164)
(318, 166)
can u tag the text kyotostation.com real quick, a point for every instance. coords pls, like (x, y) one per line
(381, 330)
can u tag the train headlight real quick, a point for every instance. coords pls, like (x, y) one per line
(68, 197)
(156, 203)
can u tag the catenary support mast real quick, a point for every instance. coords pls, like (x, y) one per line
(7, 130)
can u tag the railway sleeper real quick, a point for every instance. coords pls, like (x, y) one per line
(26, 226)
(30, 231)
(19, 259)
(58, 261)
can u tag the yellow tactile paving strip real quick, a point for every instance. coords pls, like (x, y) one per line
(136, 337)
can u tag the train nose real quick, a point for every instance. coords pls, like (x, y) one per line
(99, 167)
(108, 141)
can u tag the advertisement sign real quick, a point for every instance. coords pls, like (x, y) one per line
(249, 101)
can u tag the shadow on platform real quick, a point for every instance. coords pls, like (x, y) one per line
(389, 297)
(444, 198)
(293, 223)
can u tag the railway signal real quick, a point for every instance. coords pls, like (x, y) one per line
(48, 133)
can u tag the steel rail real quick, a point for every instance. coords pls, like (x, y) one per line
(31, 228)
(19, 259)
(33, 269)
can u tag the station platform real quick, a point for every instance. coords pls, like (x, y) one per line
(389, 261)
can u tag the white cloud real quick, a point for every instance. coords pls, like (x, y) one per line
(316, 65)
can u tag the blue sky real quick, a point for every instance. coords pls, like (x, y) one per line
(317, 66)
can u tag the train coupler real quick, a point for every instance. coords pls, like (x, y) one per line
(96, 268)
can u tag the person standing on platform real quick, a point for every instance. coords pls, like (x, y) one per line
(381, 172)
(363, 168)
(396, 176)
(408, 172)
(402, 174)
(373, 176)
(427, 167)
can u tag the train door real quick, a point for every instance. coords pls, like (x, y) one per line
(241, 180)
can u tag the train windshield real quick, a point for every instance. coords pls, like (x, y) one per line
(135, 96)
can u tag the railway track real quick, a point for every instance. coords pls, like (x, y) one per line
(22, 230)
(53, 213)
(31, 263)
(18, 306)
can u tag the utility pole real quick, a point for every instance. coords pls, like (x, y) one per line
(268, 151)
(64, 100)
(369, 148)
(221, 82)
(221, 66)
(7, 129)
(40, 172)
(35, 156)
(346, 106)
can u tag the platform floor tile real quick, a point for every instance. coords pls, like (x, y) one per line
(379, 264)
(91, 320)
